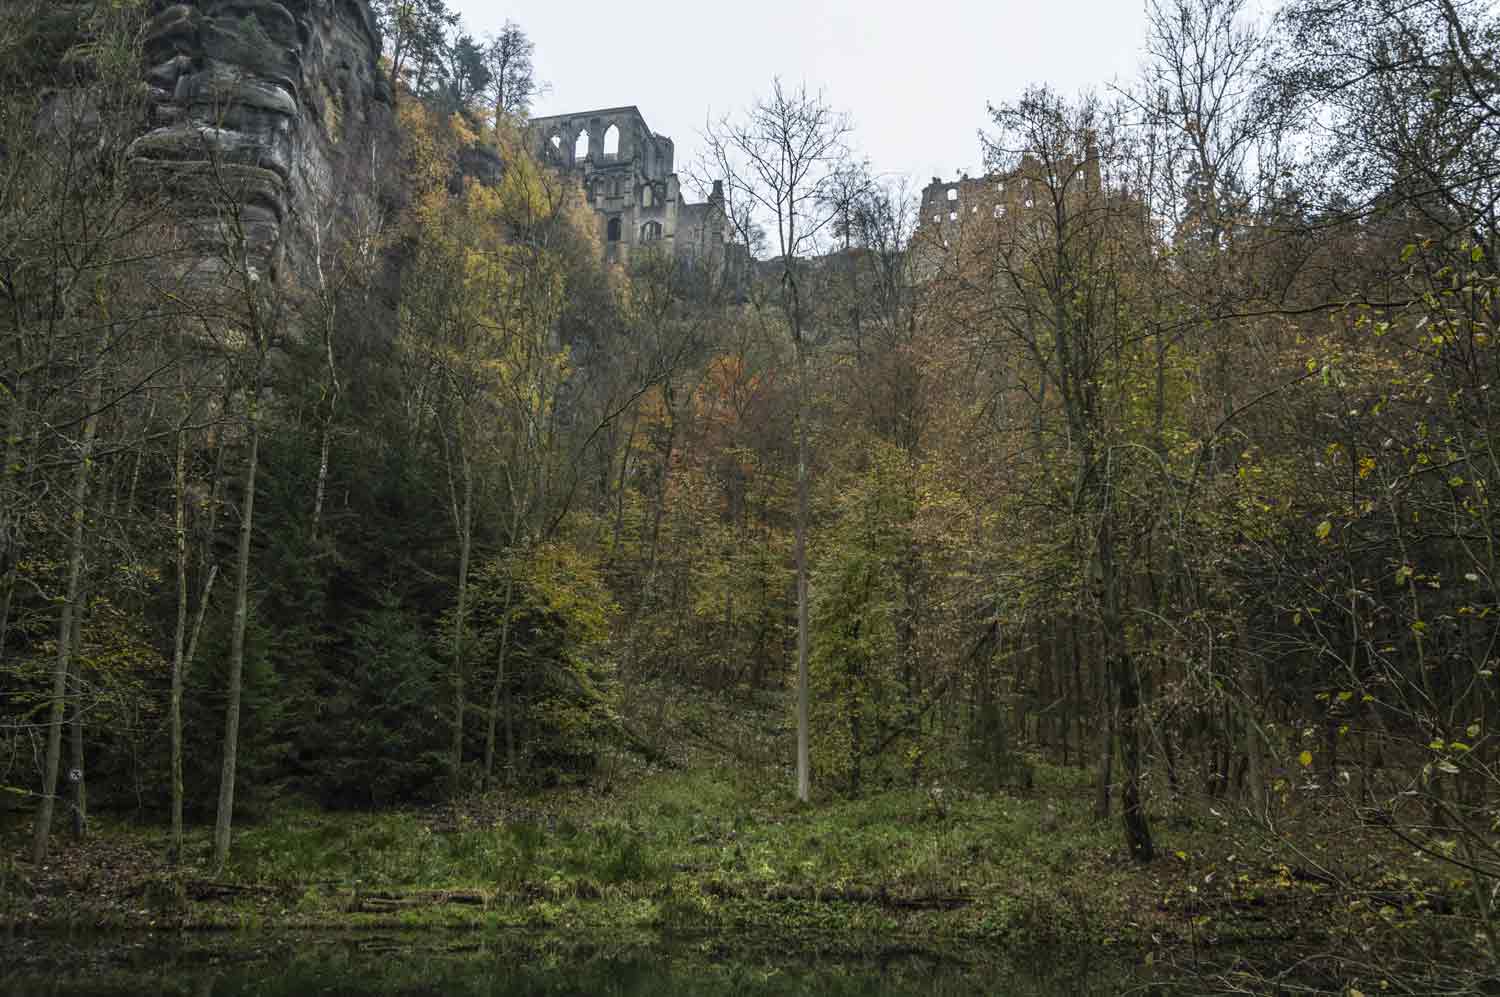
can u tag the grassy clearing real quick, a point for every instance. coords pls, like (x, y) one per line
(717, 848)
(690, 851)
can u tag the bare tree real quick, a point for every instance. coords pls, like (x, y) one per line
(782, 157)
(247, 308)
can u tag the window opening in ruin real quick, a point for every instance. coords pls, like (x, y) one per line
(613, 231)
(1028, 202)
(937, 218)
(953, 216)
(952, 193)
(614, 187)
(646, 196)
(581, 146)
(556, 143)
(651, 232)
(612, 140)
(999, 211)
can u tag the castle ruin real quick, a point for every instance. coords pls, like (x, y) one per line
(626, 171)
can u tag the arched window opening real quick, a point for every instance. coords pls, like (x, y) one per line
(651, 232)
(646, 196)
(556, 142)
(614, 187)
(613, 230)
(581, 146)
(612, 140)
(952, 193)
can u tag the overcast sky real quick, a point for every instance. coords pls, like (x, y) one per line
(914, 77)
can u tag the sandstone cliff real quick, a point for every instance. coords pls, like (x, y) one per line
(279, 104)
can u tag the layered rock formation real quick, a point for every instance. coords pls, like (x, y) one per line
(275, 105)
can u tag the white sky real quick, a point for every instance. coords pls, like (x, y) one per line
(915, 78)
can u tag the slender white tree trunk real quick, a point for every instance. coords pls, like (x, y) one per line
(804, 774)
(225, 816)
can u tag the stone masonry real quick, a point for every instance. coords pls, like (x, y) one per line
(627, 175)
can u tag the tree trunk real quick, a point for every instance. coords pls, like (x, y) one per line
(1253, 693)
(1127, 699)
(333, 390)
(9, 514)
(179, 673)
(804, 778)
(76, 769)
(322, 487)
(465, 524)
(179, 637)
(1105, 777)
(500, 690)
(225, 816)
(65, 628)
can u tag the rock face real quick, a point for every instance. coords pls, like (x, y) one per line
(276, 105)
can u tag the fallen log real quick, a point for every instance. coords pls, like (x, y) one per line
(202, 890)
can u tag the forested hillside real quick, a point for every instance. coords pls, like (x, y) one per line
(1171, 463)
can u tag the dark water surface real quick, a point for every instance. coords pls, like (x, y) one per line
(242, 964)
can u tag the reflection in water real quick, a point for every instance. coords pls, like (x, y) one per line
(241, 965)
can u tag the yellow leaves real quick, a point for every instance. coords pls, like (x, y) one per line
(1366, 465)
(1324, 528)
(1305, 759)
(462, 132)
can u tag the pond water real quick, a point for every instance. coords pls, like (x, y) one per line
(243, 964)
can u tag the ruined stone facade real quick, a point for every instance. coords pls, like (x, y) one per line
(627, 174)
(960, 215)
